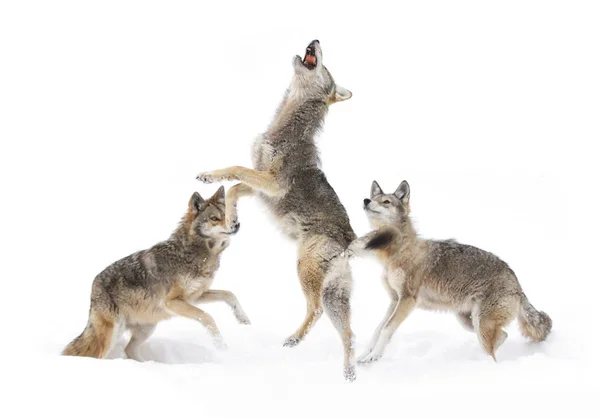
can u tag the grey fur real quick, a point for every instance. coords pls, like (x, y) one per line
(476, 285)
(288, 179)
(148, 286)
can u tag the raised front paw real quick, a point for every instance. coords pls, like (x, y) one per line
(369, 357)
(348, 253)
(351, 250)
(242, 318)
(206, 177)
(233, 227)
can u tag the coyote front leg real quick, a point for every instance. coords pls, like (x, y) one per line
(229, 298)
(260, 181)
(404, 307)
(374, 240)
(231, 199)
(358, 246)
(183, 308)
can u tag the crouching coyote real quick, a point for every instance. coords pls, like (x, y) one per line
(149, 286)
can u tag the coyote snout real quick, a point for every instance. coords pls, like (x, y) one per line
(312, 80)
(312, 57)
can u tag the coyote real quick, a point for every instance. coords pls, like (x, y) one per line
(288, 179)
(477, 286)
(149, 286)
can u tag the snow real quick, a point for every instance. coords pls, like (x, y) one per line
(109, 110)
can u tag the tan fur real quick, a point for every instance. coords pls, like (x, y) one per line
(169, 278)
(231, 199)
(95, 341)
(311, 280)
(287, 177)
(479, 288)
(262, 181)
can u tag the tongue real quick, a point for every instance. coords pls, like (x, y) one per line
(310, 59)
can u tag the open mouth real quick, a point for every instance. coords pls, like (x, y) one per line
(310, 58)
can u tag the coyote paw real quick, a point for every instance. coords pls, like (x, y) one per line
(232, 228)
(350, 373)
(347, 253)
(220, 344)
(242, 318)
(206, 177)
(291, 342)
(369, 357)
(134, 356)
(232, 222)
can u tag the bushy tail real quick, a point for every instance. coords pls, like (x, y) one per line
(95, 340)
(533, 323)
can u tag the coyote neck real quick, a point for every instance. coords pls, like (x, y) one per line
(409, 239)
(295, 126)
(189, 241)
(288, 145)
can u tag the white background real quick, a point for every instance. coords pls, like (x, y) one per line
(109, 109)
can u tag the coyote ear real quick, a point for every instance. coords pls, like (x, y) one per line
(403, 192)
(196, 203)
(341, 94)
(219, 196)
(375, 189)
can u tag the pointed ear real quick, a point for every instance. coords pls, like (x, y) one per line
(403, 192)
(341, 94)
(375, 189)
(219, 196)
(195, 203)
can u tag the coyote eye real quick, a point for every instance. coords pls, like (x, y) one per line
(214, 218)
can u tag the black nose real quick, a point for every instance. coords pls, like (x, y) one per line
(236, 227)
(316, 41)
(367, 201)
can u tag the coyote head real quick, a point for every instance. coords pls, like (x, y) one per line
(207, 217)
(384, 208)
(312, 81)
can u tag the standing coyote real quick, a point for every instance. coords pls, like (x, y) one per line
(477, 286)
(288, 179)
(149, 286)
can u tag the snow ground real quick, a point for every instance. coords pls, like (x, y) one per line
(109, 110)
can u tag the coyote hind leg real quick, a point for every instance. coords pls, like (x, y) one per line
(465, 320)
(311, 280)
(336, 299)
(139, 334)
(489, 322)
